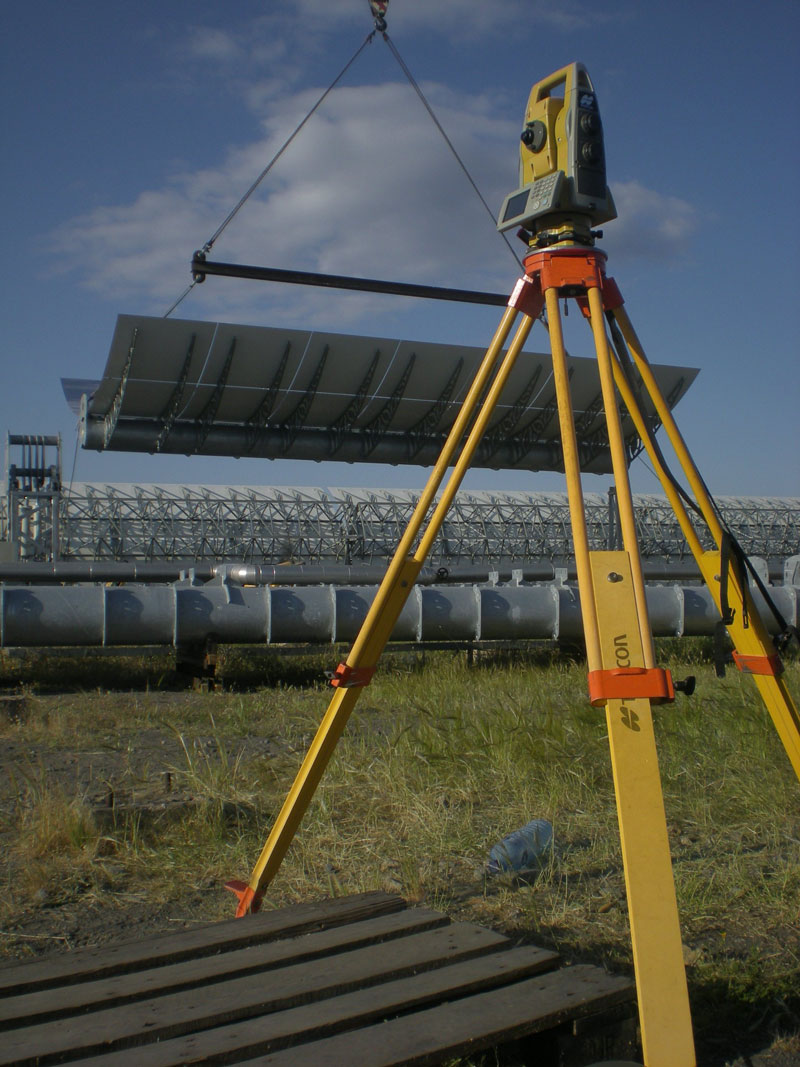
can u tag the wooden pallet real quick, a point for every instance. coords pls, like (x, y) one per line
(363, 980)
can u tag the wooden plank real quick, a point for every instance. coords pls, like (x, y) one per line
(464, 1026)
(241, 998)
(90, 963)
(322, 1018)
(172, 978)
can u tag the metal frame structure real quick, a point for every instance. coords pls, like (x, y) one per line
(30, 514)
(136, 523)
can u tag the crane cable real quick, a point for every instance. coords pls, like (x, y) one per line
(380, 26)
(235, 210)
(418, 90)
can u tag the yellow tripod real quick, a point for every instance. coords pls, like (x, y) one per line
(623, 676)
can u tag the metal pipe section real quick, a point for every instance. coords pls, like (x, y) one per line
(173, 570)
(190, 612)
(140, 434)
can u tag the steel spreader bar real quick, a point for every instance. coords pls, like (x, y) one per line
(202, 267)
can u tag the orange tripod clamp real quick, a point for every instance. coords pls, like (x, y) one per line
(769, 665)
(629, 683)
(573, 270)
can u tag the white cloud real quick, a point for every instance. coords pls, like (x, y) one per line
(297, 33)
(368, 188)
(650, 224)
(205, 43)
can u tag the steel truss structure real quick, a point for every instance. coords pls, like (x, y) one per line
(352, 526)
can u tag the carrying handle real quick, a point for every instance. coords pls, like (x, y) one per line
(569, 77)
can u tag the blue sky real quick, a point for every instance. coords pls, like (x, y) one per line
(130, 129)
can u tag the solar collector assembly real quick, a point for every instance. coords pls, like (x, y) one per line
(205, 388)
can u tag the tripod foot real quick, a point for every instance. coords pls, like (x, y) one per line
(249, 900)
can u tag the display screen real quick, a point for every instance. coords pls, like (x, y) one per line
(516, 205)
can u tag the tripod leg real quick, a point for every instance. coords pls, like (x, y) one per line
(613, 628)
(572, 470)
(747, 630)
(626, 641)
(620, 467)
(401, 574)
(652, 907)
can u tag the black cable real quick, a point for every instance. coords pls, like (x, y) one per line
(627, 367)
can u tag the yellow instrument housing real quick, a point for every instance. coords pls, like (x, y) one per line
(548, 110)
(562, 169)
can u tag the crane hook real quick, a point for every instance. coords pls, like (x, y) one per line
(378, 8)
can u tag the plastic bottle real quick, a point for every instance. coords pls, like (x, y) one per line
(522, 850)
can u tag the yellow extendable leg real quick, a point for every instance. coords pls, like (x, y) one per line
(619, 462)
(623, 628)
(670, 426)
(472, 442)
(655, 930)
(368, 637)
(747, 629)
(618, 636)
(572, 470)
(388, 603)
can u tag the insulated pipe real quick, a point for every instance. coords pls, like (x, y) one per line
(186, 613)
